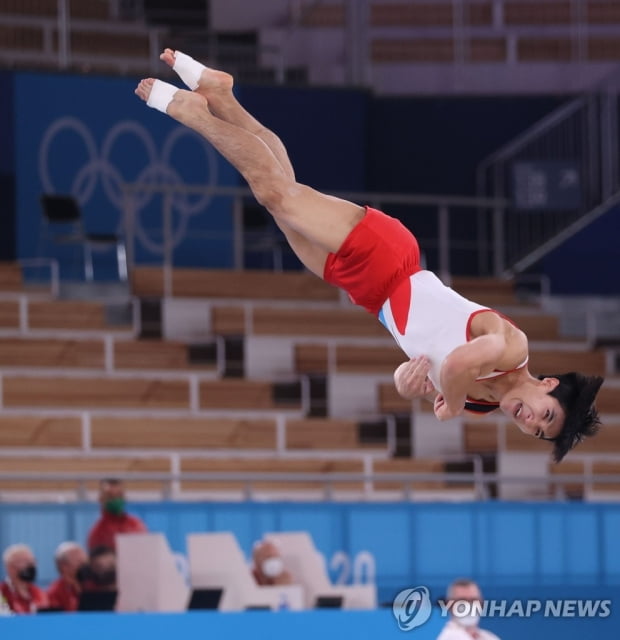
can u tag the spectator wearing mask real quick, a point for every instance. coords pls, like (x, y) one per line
(18, 590)
(73, 569)
(268, 566)
(114, 518)
(101, 573)
(465, 627)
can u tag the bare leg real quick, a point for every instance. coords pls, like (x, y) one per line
(217, 87)
(322, 220)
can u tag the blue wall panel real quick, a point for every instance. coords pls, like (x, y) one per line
(503, 545)
(87, 136)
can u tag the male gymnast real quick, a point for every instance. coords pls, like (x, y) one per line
(469, 357)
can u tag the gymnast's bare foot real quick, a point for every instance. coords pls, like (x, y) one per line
(185, 106)
(210, 81)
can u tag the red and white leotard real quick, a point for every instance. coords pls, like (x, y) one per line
(426, 317)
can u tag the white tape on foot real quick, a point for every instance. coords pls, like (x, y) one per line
(189, 70)
(161, 95)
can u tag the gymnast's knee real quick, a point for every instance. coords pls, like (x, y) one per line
(275, 196)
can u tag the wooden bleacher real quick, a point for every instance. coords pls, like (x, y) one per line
(227, 283)
(269, 465)
(86, 392)
(50, 352)
(11, 279)
(241, 394)
(9, 314)
(548, 362)
(606, 467)
(104, 466)
(40, 432)
(318, 434)
(188, 433)
(567, 467)
(390, 401)
(524, 12)
(155, 354)
(69, 315)
(608, 397)
(352, 323)
(406, 466)
(480, 437)
(118, 408)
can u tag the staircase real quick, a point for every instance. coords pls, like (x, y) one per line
(557, 177)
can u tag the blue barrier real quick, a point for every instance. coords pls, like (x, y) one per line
(255, 625)
(517, 546)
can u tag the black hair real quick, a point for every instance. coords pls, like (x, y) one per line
(575, 393)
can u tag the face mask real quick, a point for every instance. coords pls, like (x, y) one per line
(272, 567)
(28, 574)
(115, 506)
(469, 621)
(83, 573)
(104, 578)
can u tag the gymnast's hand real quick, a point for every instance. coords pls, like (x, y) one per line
(411, 378)
(442, 411)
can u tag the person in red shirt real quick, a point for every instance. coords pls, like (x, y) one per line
(72, 565)
(114, 519)
(18, 590)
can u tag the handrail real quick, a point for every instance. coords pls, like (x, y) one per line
(403, 198)
(443, 204)
(479, 479)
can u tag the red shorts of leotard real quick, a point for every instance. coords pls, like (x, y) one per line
(374, 258)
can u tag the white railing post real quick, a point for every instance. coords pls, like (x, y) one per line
(63, 33)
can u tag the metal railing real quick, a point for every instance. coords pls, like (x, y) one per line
(558, 176)
(441, 241)
(480, 483)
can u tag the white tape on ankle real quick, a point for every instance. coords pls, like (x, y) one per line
(161, 95)
(189, 70)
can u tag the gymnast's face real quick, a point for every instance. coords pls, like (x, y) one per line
(533, 410)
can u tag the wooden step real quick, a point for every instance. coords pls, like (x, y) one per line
(182, 433)
(228, 283)
(606, 467)
(408, 466)
(155, 354)
(66, 354)
(73, 315)
(311, 358)
(289, 466)
(390, 401)
(568, 467)
(480, 437)
(94, 393)
(317, 433)
(98, 43)
(549, 362)
(531, 12)
(9, 314)
(316, 322)
(607, 440)
(323, 15)
(241, 394)
(40, 432)
(608, 399)
(362, 359)
(106, 467)
(11, 279)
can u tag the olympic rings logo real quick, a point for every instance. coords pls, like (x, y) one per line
(157, 171)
